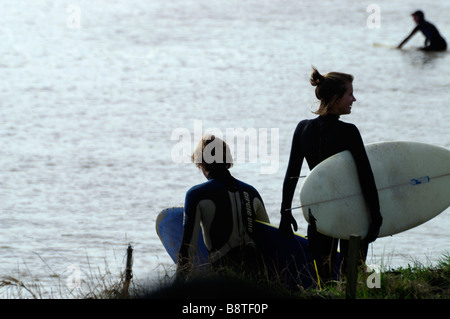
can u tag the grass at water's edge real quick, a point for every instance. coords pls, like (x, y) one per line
(412, 282)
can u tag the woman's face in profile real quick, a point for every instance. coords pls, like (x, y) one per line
(344, 104)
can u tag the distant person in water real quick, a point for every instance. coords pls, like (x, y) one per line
(433, 40)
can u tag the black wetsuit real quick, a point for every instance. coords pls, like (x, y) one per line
(434, 41)
(225, 209)
(316, 140)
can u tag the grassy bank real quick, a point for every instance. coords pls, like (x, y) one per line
(412, 282)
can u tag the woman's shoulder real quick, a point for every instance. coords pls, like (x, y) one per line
(348, 125)
(350, 130)
(303, 126)
(306, 122)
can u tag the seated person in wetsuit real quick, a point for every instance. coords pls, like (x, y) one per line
(433, 40)
(225, 209)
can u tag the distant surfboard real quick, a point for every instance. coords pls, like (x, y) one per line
(382, 45)
(394, 47)
(413, 182)
(286, 259)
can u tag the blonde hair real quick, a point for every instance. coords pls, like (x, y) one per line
(212, 154)
(329, 88)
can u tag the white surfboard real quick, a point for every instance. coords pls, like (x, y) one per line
(413, 182)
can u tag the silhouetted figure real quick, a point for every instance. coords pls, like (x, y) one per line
(316, 140)
(433, 39)
(225, 209)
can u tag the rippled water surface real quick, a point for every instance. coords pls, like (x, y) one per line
(92, 93)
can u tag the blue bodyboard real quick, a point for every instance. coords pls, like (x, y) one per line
(286, 259)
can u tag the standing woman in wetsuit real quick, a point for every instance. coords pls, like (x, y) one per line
(317, 139)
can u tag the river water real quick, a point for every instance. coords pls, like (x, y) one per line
(96, 97)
